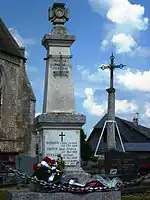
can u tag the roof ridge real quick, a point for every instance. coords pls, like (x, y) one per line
(135, 128)
(12, 42)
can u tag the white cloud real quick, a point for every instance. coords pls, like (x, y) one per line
(142, 51)
(122, 106)
(128, 20)
(95, 77)
(132, 95)
(122, 12)
(131, 80)
(125, 106)
(90, 105)
(123, 43)
(104, 44)
(135, 80)
(146, 110)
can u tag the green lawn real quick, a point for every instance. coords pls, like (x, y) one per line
(136, 197)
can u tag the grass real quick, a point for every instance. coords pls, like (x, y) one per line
(136, 197)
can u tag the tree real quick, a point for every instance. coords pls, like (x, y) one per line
(86, 150)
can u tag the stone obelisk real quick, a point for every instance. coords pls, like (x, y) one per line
(59, 125)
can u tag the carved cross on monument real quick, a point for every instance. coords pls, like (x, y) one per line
(111, 140)
(62, 135)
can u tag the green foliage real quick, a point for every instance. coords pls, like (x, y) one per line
(60, 163)
(86, 150)
(136, 197)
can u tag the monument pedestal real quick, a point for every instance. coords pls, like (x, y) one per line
(59, 133)
(18, 195)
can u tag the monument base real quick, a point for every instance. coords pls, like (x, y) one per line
(55, 119)
(81, 176)
(59, 133)
(25, 195)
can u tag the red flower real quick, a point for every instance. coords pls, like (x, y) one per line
(49, 161)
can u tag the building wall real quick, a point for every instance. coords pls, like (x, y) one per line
(18, 106)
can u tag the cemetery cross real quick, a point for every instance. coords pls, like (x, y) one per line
(111, 141)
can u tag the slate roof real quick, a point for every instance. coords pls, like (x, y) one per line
(128, 131)
(8, 43)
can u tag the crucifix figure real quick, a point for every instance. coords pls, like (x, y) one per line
(111, 140)
(62, 135)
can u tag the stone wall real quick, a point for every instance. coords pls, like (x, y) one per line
(18, 106)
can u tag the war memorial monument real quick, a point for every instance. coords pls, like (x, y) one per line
(59, 124)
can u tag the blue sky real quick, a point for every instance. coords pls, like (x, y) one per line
(100, 27)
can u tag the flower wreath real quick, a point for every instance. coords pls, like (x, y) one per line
(49, 169)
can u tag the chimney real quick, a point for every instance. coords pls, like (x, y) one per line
(136, 119)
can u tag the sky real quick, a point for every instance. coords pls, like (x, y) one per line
(101, 27)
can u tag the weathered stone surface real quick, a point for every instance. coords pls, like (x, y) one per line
(80, 175)
(58, 14)
(113, 195)
(57, 38)
(56, 118)
(111, 138)
(18, 105)
(59, 126)
(59, 89)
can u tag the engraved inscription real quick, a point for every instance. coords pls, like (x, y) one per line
(68, 151)
(60, 67)
(65, 143)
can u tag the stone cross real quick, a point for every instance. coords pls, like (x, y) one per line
(111, 140)
(58, 14)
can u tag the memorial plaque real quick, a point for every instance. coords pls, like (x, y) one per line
(126, 164)
(64, 142)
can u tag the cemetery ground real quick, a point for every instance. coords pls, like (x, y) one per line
(136, 197)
